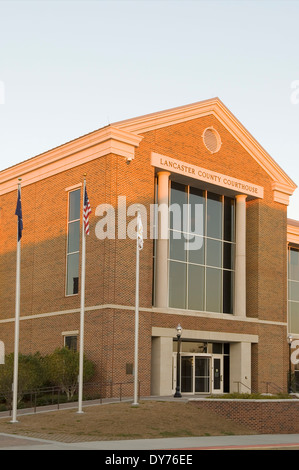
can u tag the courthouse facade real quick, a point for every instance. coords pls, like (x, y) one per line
(219, 269)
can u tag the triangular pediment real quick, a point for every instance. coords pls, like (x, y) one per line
(282, 184)
(123, 137)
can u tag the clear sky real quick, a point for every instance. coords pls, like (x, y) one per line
(70, 67)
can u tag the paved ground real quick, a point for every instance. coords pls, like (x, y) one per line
(262, 442)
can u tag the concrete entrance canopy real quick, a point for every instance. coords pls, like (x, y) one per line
(162, 352)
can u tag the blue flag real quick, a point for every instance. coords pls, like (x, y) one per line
(19, 214)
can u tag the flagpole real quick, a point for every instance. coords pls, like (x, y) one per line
(17, 324)
(135, 402)
(82, 308)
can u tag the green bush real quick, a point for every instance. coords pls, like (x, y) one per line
(59, 369)
(63, 370)
(31, 375)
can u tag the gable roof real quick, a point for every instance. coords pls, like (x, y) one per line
(123, 137)
(283, 186)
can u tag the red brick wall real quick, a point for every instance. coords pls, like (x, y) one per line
(262, 416)
(110, 268)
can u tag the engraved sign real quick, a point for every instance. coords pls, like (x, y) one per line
(208, 176)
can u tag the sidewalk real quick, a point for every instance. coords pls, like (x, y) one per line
(263, 442)
(74, 405)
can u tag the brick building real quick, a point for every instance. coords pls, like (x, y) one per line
(224, 280)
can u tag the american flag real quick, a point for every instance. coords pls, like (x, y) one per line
(86, 212)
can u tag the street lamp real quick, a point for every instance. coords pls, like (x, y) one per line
(178, 363)
(290, 339)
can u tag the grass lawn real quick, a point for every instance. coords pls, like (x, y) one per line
(151, 419)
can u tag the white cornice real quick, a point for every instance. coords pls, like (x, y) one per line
(293, 233)
(74, 153)
(123, 137)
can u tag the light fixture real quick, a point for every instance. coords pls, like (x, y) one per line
(179, 330)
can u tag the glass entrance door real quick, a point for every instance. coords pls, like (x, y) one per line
(187, 374)
(195, 374)
(202, 374)
(217, 374)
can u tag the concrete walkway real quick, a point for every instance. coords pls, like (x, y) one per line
(184, 444)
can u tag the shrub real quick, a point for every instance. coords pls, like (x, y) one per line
(31, 375)
(63, 369)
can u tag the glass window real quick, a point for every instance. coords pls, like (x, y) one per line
(71, 342)
(217, 348)
(293, 264)
(294, 317)
(178, 199)
(73, 243)
(228, 299)
(192, 347)
(228, 255)
(214, 253)
(197, 211)
(177, 284)
(202, 238)
(74, 205)
(196, 250)
(229, 219)
(196, 287)
(177, 246)
(72, 273)
(214, 291)
(294, 291)
(214, 216)
(73, 237)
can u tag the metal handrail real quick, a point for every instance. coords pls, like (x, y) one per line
(244, 385)
(58, 391)
(273, 385)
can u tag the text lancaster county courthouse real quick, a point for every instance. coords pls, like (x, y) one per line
(231, 281)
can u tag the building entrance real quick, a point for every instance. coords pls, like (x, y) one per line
(205, 372)
(201, 374)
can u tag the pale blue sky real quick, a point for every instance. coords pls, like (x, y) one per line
(70, 67)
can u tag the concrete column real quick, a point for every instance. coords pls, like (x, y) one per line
(162, 241)
(161, 377)
(240, 258)
(240, 367)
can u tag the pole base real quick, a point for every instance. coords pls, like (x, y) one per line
(177, 393)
